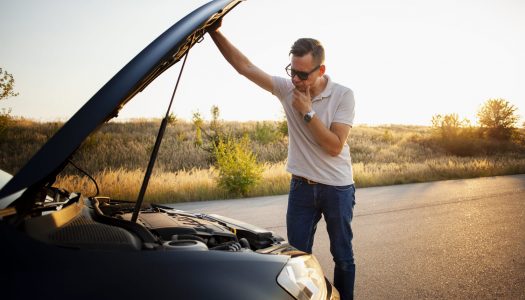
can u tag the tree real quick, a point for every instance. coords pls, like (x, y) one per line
(7, 85)
(498, 118)
(449, 126)
(454, 135)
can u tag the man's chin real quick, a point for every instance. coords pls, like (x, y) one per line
(300, 88)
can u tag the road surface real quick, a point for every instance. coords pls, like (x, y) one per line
(454, 239)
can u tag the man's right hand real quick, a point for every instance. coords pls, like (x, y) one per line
(215, 26)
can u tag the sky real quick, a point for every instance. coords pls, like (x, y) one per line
(405, 60)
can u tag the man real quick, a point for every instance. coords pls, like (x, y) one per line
(320, 114)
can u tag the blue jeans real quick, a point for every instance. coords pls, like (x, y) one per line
(306, 203)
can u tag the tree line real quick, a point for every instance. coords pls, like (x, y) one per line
(497, 120)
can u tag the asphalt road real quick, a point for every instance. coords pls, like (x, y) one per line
(455, 239)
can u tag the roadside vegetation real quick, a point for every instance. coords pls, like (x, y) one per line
(203, 160)
(7, 90)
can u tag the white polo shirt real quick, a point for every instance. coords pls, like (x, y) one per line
(306, 158)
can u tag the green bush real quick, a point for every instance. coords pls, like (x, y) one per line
(265, 133)
(282, 126)
(237, 166)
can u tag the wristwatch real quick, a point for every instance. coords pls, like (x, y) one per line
(309, 115)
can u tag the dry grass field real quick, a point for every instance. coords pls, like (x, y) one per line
(117, 155)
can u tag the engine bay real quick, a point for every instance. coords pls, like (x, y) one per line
(101, 223)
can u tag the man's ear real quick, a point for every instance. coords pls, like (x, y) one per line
(322, 69)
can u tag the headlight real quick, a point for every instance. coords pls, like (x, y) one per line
(303, 278)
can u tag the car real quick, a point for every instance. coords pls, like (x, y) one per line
(59, 244)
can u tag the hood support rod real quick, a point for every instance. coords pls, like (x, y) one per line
(156, 148)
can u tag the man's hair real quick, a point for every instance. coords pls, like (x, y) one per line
(303, 46)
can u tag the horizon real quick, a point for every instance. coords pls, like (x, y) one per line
(405, 62)
(159, 119)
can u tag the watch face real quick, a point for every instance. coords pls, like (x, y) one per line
(308, 117)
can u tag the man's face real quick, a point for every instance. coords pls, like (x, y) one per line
(305, 64)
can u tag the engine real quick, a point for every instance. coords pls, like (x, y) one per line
(100, 223)
(179, 230)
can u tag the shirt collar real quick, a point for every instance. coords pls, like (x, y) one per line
(327, 90)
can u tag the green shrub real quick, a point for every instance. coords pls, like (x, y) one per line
(237, 166)
(197, 123)
(265, 133)
(283, 127)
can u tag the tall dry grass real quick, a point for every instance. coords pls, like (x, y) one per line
(119, 152)
(128, 145)
(169, 187)
(200, 184)
(378, 174)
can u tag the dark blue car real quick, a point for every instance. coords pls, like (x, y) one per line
(58, 244)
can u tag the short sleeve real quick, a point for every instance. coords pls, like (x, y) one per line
(281, 86)
(345, 112)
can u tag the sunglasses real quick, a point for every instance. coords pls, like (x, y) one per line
(302, 75)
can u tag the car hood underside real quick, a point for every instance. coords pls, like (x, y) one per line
(157, 57)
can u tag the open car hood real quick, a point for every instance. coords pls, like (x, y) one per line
(156, 58)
